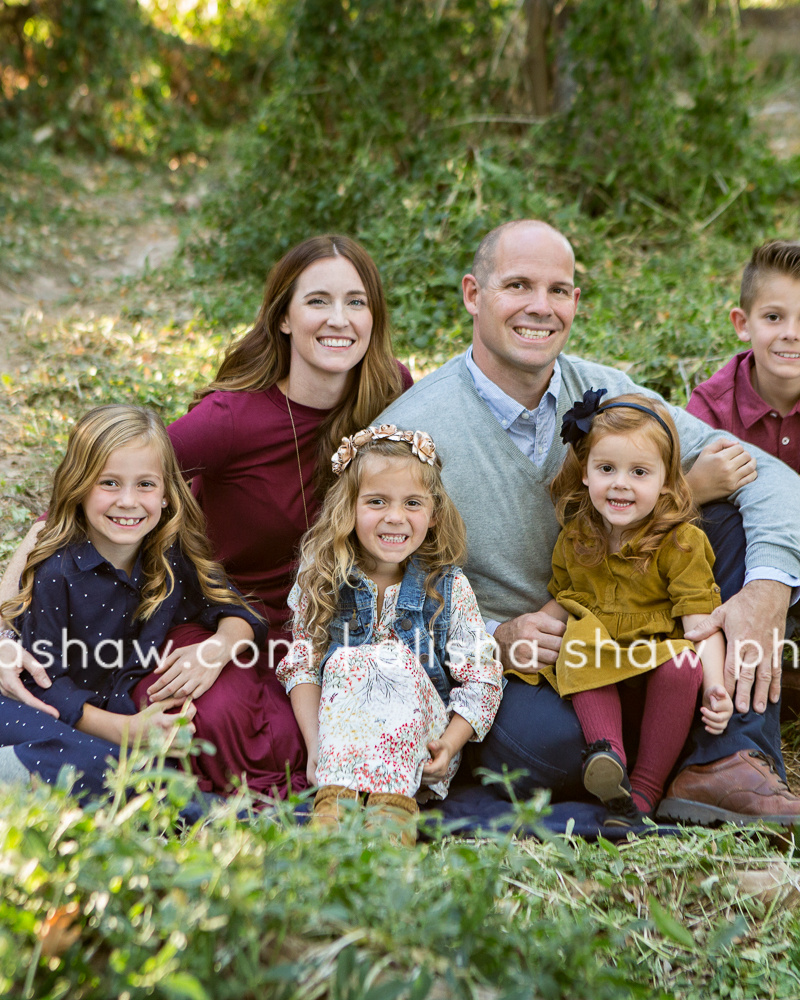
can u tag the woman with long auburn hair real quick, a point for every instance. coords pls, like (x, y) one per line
(316, 366)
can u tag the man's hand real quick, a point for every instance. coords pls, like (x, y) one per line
(720, 469)
(531, 641)
(753, 622)
(13, 660)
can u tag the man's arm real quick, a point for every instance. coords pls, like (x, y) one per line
(753, 622)
(773, 539)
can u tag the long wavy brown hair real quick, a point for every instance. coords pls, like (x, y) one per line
(93, 439)
(262, 356)
(574, 509)
(330, 552)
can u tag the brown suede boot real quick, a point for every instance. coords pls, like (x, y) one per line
(399, 810)
(327, 811)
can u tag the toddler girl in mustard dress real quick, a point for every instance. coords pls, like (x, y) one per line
(631, 573)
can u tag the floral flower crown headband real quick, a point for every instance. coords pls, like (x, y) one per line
(421, 445)
(577, 421)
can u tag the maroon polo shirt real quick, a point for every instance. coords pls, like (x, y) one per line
(729, 402)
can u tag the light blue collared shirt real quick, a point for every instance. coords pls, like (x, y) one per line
(531, 430)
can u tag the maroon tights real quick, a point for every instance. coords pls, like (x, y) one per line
(668, 713)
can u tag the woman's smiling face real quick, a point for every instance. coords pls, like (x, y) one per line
(328, 321)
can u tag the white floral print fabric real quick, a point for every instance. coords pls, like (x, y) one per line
(378, 707)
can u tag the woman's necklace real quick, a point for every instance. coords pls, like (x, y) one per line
(297, 453)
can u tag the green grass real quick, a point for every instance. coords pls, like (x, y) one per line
(268, 908)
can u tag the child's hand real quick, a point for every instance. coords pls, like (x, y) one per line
(311, 767)
(159, 718)
(717, 709)
(720, 469)
(189, 671)
(441, 754)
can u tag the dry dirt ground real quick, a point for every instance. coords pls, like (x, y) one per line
(111, 226)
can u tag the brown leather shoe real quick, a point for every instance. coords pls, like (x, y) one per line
(743, 788)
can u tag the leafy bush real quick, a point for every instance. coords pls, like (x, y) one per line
(99, 74)
(659, 124)
(383, 123)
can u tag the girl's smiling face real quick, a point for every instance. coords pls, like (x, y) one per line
(625, 475)
(125, 503)
(393, 513)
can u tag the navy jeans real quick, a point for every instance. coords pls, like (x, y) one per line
(536, 731)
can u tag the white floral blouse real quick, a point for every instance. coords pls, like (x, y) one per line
(379, 709)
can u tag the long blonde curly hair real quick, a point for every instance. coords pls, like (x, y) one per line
(92, 440)
(330, 552)
(574, 509)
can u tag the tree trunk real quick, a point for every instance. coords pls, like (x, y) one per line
(537, 69)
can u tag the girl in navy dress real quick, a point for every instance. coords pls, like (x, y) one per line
(122, 558)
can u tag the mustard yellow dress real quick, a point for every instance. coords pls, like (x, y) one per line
(623, 622)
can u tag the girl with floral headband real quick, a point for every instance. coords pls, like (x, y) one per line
(391, 671)
(631, 573)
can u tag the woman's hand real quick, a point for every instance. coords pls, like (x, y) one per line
(717, 709)
(13, 660)
(189, 671)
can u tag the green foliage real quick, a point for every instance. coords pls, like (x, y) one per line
(660, 120)
(99, 74)
(657, 141)
(253, 907)
(340, 146)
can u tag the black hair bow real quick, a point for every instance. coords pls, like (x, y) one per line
(577, 421)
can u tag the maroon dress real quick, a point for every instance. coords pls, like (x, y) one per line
(240, 449)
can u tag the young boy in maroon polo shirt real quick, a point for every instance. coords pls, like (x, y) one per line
(756, 395)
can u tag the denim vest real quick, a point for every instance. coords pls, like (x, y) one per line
(354, 624)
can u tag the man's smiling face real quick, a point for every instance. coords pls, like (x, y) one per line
(525, 307)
